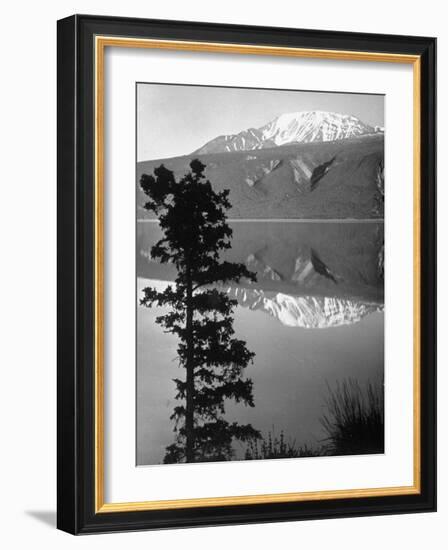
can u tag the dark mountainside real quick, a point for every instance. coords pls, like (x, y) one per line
(322, 179)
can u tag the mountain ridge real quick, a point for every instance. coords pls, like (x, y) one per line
(289, 128)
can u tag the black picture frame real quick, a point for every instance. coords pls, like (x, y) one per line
(76, 256)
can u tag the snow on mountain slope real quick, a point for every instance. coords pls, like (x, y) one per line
(309, 126)
(298, 127)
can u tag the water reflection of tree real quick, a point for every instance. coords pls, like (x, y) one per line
(193, 221)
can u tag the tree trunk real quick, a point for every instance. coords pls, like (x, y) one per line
(189, 413)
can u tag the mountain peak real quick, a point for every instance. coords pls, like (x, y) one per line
(295, 127)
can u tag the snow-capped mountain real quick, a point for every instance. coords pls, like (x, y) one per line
(303, 311)
(298, 127)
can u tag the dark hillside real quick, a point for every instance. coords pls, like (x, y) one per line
(339, 179)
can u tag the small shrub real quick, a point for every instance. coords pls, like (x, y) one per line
(276, 447)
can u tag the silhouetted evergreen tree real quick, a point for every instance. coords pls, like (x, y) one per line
(193, 221)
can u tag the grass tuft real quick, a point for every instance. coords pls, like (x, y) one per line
(354, 422)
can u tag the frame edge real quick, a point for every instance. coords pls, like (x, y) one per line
(74, 516)
(67, 454)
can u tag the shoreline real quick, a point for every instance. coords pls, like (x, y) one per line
(289, 220)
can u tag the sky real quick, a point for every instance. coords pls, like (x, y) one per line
(175, 120)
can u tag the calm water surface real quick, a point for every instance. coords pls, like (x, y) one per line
(313, 318)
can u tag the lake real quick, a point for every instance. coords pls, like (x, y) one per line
(313, 318)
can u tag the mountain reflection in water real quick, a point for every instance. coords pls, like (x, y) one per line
(326, 276)
(313, 275)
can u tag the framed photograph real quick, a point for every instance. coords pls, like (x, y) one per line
(246, 274)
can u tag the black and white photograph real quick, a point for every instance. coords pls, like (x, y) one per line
(229, 334)
(260, 274)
